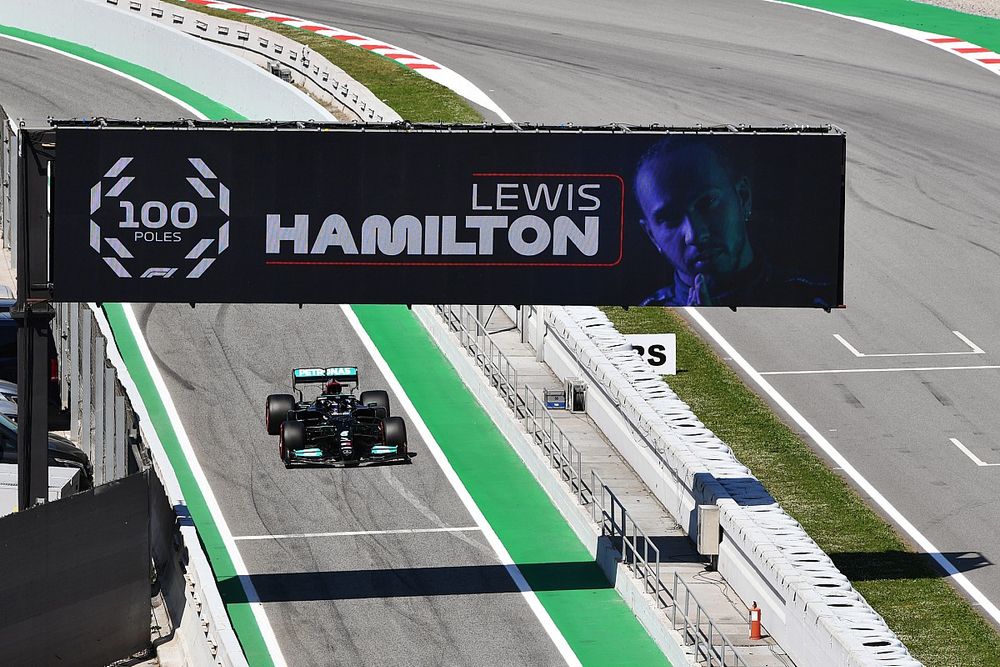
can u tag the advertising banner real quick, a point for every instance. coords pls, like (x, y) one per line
(342, 214)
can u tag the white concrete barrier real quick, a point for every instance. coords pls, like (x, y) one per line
(809, 607)
(197, 64)
(320, 78)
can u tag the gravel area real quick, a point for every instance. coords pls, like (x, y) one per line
(981, 7)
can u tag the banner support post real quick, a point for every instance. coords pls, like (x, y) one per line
(33, 312)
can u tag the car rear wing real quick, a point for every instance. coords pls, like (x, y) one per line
(347, 375)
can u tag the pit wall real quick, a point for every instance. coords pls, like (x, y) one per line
(809, 607)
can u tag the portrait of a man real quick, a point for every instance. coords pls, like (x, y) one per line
(696, 207)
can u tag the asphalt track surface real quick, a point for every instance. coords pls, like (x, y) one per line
(922, 249)
(36, 83)
(411, 598)
(421, 598)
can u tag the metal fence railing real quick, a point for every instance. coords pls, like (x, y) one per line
(701, 632)
(639, 553)
(8, 183)
(101, 417)
(521, 399)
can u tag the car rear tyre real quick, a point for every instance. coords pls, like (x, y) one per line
(291, 437)
(276, 411)
(378, 398)
(395, 435)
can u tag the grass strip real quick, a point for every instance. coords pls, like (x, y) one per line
(981, 30)
(413, 96)
(937, 624)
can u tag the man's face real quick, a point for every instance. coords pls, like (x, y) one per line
(694, 213)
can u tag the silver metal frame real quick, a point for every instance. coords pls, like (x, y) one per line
(99, 410)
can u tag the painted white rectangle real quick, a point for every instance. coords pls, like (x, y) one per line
(659, 351)
(359, 533)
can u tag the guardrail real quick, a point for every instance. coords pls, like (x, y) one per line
(639, 553)
(284, 57)
(522, 400)
(709, 645)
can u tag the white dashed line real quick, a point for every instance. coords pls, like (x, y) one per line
(913, 369)
(353, 533)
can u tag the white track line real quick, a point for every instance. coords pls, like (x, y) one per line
(470, 505)
(975, 459)
(913, 369)
(853, 350)
(973, 349)
(266, 631)
(123, 75)
(353, 533)
(956, 47)
(960, 579)
(264, 625)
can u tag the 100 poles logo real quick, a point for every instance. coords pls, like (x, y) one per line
(158, 239)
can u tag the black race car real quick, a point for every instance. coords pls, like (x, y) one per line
(337, 427)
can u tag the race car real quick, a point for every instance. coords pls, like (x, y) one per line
(336, 427)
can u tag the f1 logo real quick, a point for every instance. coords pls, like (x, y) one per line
(159, 272)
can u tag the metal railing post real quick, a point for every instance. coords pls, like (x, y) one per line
(121, 436)
(87, 387)
(110, 462)
(74, 369)
(97, 412)
(62, 326)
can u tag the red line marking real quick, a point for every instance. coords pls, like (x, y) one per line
(372, 47)
(279, 262)
(973, 49)
(990, 61)
(346, 38)
(315, 28)
(201, 2)
(241, 10)
(421, 66)
(399, 55)
(945, 40)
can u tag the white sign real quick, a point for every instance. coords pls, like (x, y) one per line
(659, 351)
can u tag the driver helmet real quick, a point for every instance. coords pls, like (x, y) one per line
(332, 387)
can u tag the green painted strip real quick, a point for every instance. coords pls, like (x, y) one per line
(240, 614)
(980, 30)
(205, 105)
(596, 622)
(232, 592)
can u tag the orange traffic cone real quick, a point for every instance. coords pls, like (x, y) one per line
(754, 621)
